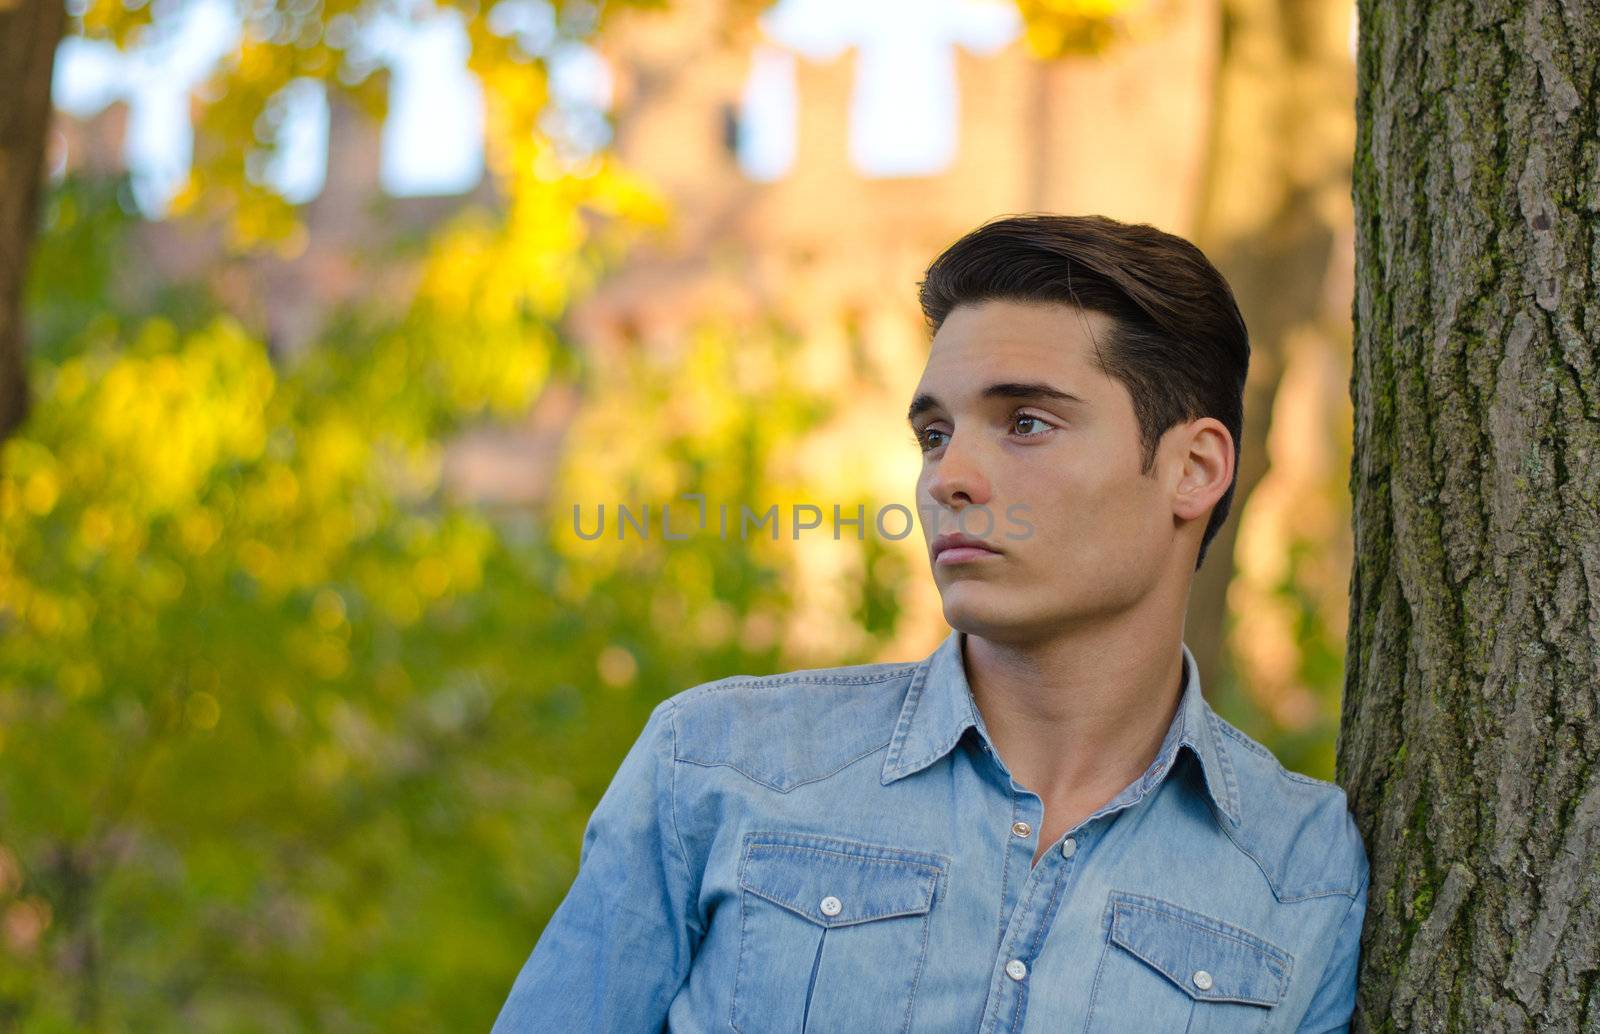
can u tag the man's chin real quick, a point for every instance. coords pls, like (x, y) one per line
(984, 610)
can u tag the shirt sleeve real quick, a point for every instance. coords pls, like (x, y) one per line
(1335, 1000)
(619, 946)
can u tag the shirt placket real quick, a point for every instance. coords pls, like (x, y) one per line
(1033, 906)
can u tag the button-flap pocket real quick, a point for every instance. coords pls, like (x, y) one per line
(815, 913)
(836, 882)
(1210, 960)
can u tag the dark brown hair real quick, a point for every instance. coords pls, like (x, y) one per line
(1178, 344)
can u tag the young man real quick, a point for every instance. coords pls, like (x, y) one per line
(1042, 826)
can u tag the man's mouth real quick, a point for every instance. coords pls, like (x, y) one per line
(956, 548)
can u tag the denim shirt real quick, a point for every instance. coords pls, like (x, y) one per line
(842, 850)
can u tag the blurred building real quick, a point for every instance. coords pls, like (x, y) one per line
(351, 226)
(826, 244)
(829, 250)
(838, 254)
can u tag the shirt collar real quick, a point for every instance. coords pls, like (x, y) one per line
(939, 708)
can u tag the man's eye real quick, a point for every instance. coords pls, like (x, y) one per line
(925, 439)
(1025, 418)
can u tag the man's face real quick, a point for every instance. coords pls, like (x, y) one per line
(1081, 533)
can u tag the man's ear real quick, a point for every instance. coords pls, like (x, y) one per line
(1205, 467)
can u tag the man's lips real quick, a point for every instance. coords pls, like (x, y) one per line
(956, 548)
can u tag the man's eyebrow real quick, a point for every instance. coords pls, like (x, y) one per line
(1003, 389)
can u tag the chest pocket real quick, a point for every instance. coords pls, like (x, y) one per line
(832, 934)
(1169, 968)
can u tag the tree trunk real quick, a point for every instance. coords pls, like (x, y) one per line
(1277, 178)
(29, 32)
(1469, 734)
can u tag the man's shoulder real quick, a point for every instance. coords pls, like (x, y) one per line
(1298, 828)
(789, 728)
(799, 683)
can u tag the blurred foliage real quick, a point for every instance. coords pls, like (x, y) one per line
(1307, 743)
(1320, 650)
(284, 43)
(1287, 624)
(288, 740)
(330, 42)
(1056, 29)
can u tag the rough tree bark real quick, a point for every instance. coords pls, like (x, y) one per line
(29, 32)
(1470, 732)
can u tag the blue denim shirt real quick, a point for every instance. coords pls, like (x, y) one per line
(842, 850)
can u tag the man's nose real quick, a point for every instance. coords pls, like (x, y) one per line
(958, 477)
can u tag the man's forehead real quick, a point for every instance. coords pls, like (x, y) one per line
(1026, 316)
(970, 360)
(1027, 335)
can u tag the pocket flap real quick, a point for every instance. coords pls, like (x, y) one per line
(1211, 960)
(858, 882)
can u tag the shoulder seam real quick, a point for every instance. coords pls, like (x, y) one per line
(807, 677)
(773, 787)
(1241, 737)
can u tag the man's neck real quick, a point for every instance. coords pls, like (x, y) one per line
(1079, 716)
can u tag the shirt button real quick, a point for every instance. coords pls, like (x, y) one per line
(831, 906)
(1202, 980)
(1021, 829)
(1016, 969)
(1069, 847)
